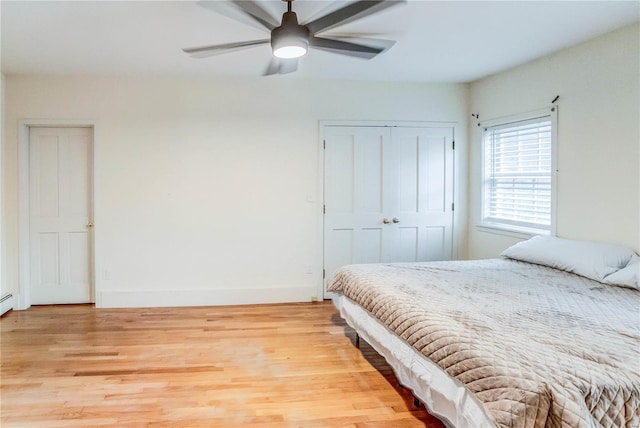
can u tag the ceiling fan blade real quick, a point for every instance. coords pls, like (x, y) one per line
(281, 66)
(211, 50)
(272, 68)
(350, 13)
(348, 48)
(288, 66)
(246, 11)
(256, 12)
(363, 39)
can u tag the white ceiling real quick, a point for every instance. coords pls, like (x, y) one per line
(445, 41)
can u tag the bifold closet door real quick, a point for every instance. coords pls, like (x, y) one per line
(388, 194)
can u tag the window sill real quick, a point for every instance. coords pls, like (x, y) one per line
(513, 232)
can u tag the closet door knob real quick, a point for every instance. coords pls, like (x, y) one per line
(385, 220)
(395, 220)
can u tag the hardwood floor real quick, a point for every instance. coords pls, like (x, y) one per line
(287, 365)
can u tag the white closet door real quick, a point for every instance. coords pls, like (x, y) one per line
(424, 216)
(357, 162)
(388, 195)
(59, 180)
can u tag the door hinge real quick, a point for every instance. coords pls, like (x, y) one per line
(324, 209)
(323, 273)
(453, 206)
(453, 145)
(324, 144)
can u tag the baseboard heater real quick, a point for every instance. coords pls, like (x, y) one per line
(6, 303)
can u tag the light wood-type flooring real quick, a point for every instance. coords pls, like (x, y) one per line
(285, 365)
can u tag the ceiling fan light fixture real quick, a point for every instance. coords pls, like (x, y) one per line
(290, 39)
(291, 49)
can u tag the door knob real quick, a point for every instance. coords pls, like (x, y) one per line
(90, 225)
(385, 220)
(395, 220)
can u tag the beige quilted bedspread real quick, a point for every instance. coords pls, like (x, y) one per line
(539, 347)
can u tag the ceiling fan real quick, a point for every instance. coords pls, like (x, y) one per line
(290, 40)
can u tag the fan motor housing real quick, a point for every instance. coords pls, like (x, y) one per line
(289, 34)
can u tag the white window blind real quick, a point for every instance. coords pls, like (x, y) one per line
(517, 174)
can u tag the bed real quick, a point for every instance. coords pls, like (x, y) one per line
(530, 339)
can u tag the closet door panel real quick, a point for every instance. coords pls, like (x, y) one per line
(426, 192)
(356, 160)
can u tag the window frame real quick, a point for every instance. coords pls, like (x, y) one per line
(517, 231)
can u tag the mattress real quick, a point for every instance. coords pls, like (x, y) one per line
(535, 346)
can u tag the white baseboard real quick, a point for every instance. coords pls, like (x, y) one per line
(203, 297)
(6, 304)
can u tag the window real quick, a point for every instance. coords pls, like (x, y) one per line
(518, 164)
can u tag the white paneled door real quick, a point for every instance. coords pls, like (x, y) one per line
(388, 195)
(60, 214)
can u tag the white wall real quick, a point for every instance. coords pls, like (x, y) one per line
(2, 206)
(7, 300)
(598, 137)
(209, 191)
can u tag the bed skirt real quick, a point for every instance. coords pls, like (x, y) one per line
(443, 396)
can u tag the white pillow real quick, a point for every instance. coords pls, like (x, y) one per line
(628, 276)
(589, 259)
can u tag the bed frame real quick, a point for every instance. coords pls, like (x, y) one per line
(428, 383)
